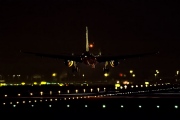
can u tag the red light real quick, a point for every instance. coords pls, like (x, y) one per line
(120, 74)
(91, 45)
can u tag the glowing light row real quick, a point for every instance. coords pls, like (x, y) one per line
(140, 106)
(104, 106)
(41, 93)
(98, 89)
(50, 100)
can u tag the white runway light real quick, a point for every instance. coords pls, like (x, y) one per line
(176, 106)
(104, 106)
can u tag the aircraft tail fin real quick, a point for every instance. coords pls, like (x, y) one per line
(87, 42)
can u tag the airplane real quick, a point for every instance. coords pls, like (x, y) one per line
(90, 59)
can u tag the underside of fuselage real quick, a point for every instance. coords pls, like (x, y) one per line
(90, 61)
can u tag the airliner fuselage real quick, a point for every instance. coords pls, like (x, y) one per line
(88, 58)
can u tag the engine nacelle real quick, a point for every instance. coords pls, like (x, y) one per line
(68, 63)
(114, 63)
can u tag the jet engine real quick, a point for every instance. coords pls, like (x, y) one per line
(114, 63)
(68, 63)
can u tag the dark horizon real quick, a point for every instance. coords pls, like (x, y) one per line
(116, 27)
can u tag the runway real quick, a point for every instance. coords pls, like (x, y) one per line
(102, 96)
(99, 97)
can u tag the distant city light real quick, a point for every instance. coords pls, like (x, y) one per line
(125, 86)
(76, 91)
(41, 93)
(91, 89)
(106, 74)
(23, 83)
(104, 106)
(176, 106)
(98, 89)
(43, 82)
(35, 83)
(146, 83)
(133, 75)
(54, 74)
(120, 74)
(126, 82)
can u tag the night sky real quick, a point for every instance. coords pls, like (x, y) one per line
(115, 26)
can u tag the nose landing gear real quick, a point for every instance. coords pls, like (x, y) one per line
(106, 69)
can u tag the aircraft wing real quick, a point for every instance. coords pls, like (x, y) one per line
(64, 57)
(122, 57)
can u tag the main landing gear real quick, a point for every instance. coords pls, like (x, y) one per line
(106, 69)
(74, 67)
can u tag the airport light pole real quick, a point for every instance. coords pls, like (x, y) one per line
(83, 77)
(177, 73)
(155, 77)
(13, 77)
(131, 71)
(131, 74)
(54, 77)
(18, 77)
(106, 75)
